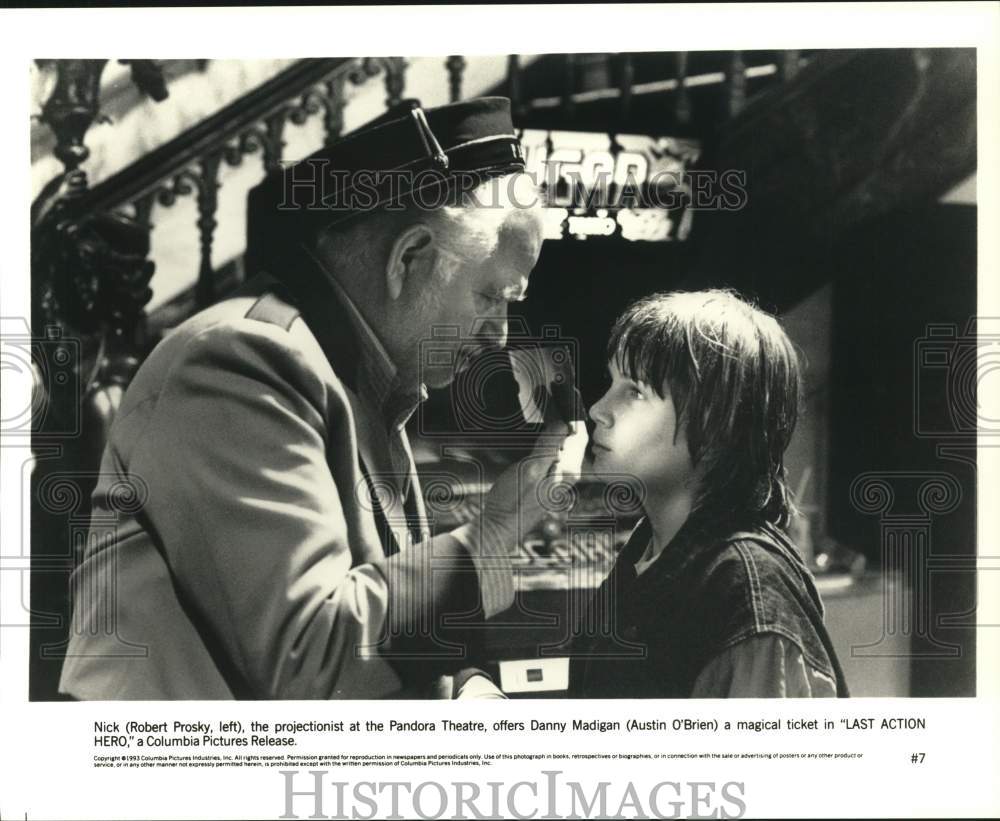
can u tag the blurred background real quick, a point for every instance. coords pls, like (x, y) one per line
(837, 188)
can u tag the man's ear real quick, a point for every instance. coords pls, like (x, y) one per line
(411, 253)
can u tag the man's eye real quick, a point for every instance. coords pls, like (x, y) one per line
(635, 393)
(492, 299)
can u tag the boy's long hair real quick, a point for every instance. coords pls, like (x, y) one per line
(733, 377)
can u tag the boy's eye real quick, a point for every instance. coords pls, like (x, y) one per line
(634, 392)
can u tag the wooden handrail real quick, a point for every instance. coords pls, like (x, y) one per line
(209, 135)
(106, 228)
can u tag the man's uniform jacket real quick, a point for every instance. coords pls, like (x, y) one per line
(235, 550)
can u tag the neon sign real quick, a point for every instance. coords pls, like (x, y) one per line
(636, 187)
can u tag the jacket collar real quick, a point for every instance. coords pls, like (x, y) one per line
(698, 534)
(376, 374)
(350, 344)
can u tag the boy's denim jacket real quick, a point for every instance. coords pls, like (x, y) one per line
(711, 588)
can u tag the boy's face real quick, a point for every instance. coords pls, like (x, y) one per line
(636, 435)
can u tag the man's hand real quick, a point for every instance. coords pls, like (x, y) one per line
(465, 684)
(517, 502)
(521, 497)
(537, 484)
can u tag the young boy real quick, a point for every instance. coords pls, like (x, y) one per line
(708, 598)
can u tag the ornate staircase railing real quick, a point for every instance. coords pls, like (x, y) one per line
(90, 272)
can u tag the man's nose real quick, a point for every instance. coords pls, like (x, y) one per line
(495, 330)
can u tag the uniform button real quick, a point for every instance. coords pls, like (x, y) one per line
(631, 633)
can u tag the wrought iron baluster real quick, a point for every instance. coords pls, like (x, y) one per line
(144, 209)
(456, 68)
(592, 72)
(569, 84)
(208, 203)
(254, 138)
(364, 69)
(333, 118)
(395, 80)
(736, 84)
(682, 98)
(328, 98)
(517, 106)
(549, 170)
(625, 81)
(610, 188)
(789, 65)
(274, 144)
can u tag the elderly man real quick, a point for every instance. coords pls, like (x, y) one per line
(276, 544)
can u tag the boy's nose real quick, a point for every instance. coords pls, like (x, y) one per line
(598, 414)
